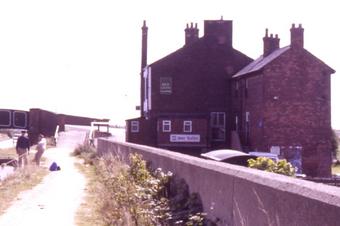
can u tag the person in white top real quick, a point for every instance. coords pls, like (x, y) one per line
(41, 147)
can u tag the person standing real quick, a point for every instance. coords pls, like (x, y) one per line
(41, 147)
(22, 148)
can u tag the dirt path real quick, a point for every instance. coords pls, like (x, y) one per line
(55, 200)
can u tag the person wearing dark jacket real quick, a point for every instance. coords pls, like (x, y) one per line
(22, 148)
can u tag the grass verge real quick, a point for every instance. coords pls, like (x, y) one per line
(21, 180)
(88, 213)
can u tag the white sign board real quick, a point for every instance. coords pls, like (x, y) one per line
(194, 138)
(275, 150)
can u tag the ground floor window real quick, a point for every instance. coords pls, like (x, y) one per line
(134, 126)
(187, 126)
(217, 124)
(166, 126)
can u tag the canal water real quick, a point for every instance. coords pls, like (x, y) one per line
(5, 171)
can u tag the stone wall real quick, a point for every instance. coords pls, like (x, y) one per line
(236, 195)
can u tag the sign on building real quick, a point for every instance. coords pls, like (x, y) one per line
(166, 85)
(193, 138)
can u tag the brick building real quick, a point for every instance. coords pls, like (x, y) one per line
(185, 96)
(207, 95)
(282, 101)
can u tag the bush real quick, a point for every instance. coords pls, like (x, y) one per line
(135, 195)
(266, 164)
(87, 152)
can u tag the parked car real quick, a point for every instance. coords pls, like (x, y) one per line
(229, 156)
(272, 156)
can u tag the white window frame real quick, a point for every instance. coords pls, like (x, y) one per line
(236, 123)
(217, 116)
(187, 126)
(134, 126)
(247, 116)
(166, 125)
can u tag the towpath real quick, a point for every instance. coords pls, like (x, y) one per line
(55, 200)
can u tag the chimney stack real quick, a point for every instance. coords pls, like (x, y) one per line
(296, 36)
(144, 45)
(191, 34)
(219, 31)
(270, 43)
(143, 65)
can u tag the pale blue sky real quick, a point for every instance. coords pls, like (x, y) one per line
(82, 57)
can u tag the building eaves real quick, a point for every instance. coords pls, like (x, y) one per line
(261, 62)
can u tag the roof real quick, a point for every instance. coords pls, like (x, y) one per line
(204, 49)
(261, 62)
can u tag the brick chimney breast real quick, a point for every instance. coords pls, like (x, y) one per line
(191, 33)
(220, 31)
(296, 36)
(270, 43)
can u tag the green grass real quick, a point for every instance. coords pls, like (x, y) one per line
(21, 180)
(88, 212)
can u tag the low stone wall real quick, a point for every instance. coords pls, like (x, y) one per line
(235, 195)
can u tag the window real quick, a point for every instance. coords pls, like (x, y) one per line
(236, 89)
(134, 127)
(217, 123)
(246, 89)
(247, 128)
(166, 126)
(187, 126)
(236, 123)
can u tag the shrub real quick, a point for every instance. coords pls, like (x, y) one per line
(266, 164)
(87, 152)
(135, 195)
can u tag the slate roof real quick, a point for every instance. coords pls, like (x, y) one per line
(260, 62)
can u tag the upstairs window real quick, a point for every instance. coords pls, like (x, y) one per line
(166, 126)
(246, 89)
(236, 89)
(134, 127)
(187, 126)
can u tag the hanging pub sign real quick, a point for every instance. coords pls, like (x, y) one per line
(166, 85)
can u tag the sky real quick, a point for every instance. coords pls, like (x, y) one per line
(82, 57)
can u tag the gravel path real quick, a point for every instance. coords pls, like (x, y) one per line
(53, 202)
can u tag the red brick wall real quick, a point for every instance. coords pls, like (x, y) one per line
(199, 127)
(146, 134)
(301, 114)
(292, 99)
